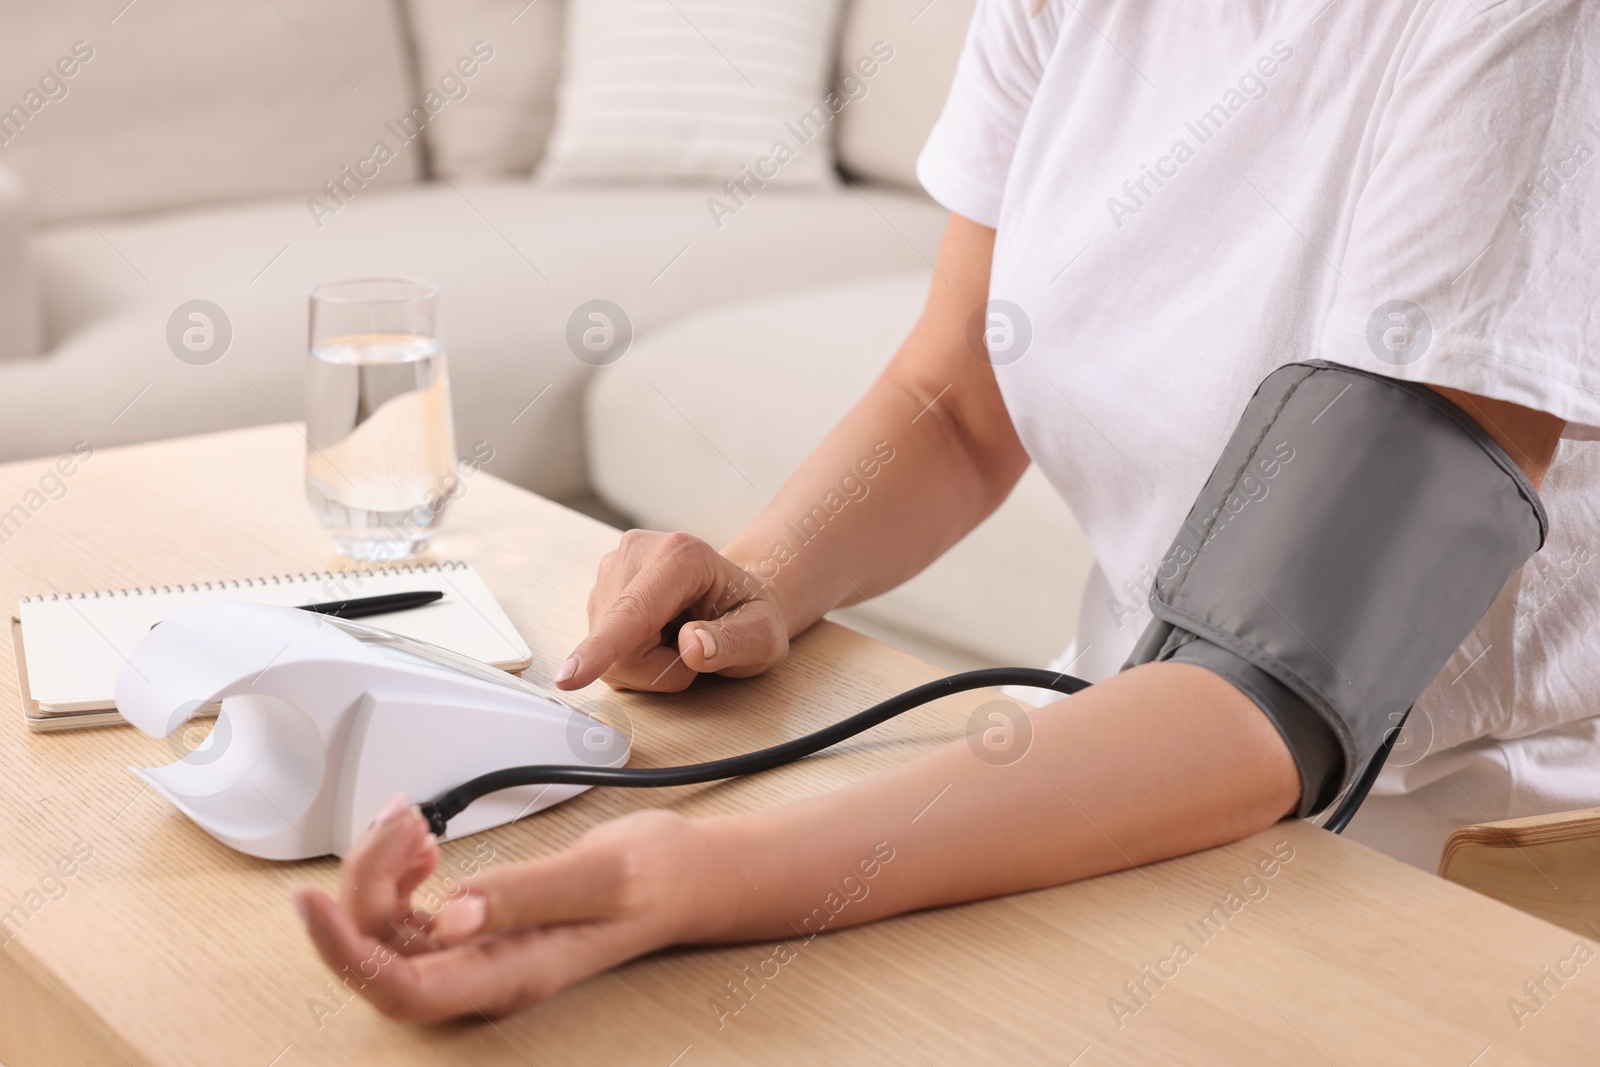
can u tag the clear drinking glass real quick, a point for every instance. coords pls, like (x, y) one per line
(380, 440)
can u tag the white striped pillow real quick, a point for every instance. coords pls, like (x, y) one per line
(683, 89)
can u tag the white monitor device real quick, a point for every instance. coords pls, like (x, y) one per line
(322, 720)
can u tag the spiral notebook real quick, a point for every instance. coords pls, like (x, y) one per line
(70, 646)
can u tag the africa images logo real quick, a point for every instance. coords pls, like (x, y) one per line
(1399, 332)
(199, 332)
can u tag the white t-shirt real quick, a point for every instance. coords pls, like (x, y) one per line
(1190, 195)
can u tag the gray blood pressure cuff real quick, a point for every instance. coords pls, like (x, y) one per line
(1353, 533)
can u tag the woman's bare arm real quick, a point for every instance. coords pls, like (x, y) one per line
(1159, 761)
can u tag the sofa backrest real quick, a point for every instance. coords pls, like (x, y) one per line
(172, 102)
(879, 135)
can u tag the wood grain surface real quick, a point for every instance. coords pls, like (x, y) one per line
(1545, 865)
(164, 947)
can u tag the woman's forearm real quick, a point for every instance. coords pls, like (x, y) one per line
(1159, 761)
(920, 460)
(877, 501)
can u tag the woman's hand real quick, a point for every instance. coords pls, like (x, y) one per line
(514, 935)
(731, 622)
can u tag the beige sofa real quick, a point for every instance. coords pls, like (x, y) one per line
(184, 156)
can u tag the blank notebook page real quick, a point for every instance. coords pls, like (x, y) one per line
(75, 643)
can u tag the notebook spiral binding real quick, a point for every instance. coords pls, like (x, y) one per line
(244, 583)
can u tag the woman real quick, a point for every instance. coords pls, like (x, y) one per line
(1171, 200)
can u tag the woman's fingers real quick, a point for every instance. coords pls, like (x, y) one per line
(583, 883)
(488, 976)
(342, 944)
(523, 933)
(391, 981)
(678, 573)
(380, 871)
(648, 583)
(747, 640)
(658, 669)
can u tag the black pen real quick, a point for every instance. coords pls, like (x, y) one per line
(360, 607)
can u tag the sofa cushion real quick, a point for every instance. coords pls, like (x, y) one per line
(696, 89)
(499, 124)
(880, 135)
(514, 262)
(172, 102)
(707, 418)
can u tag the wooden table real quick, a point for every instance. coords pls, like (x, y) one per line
(167, 948)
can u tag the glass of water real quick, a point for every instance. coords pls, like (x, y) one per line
(380, 440)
